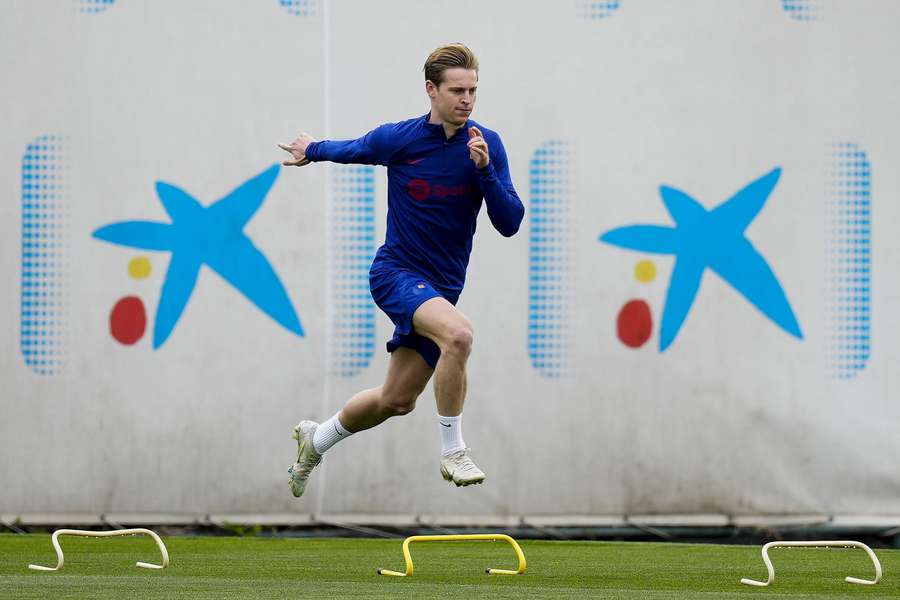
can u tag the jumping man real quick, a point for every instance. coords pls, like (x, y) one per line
(440, 167)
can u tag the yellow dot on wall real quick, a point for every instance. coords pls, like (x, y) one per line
(139, 267)
(645, 271)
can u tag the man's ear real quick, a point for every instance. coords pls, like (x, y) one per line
(430, 88)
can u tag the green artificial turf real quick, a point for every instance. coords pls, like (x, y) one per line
(258, 567)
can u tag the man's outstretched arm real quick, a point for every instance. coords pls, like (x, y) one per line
(297, 148)
(371, 149)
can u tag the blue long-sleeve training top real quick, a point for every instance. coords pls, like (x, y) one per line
(434, 195)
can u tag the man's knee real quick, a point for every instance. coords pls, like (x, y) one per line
(399, 404)
(458, 340)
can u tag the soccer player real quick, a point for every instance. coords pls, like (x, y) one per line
(440, 168)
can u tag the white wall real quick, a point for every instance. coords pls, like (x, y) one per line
(736, 416)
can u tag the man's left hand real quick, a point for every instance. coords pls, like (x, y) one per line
(478, 148)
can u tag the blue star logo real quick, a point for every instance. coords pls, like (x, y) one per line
(712, 239)
(212, 236)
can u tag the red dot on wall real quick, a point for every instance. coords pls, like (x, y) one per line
(634, 323)
(128, 320)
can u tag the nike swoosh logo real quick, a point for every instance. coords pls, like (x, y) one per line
(415, 161)
(446, 424)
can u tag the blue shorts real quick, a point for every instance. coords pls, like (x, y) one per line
(399, 293)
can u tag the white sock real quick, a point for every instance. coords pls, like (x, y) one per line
(451, 434)
(329, 433)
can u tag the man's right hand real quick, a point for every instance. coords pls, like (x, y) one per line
(297, 148)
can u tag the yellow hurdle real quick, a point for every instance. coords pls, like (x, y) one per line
(493, 537)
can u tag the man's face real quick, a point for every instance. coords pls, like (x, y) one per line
(454, 99)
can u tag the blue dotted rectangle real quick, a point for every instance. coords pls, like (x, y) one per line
(301, 8)
(352, 250)
(598, 9)
(93, 6)
(549, 252)
(43, 282)
(802, 10)
(849, 251)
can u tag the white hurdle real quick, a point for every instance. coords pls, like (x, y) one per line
(115, 532)
(820, 544)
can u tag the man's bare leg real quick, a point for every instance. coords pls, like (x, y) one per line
(452, 332)
(407, 376)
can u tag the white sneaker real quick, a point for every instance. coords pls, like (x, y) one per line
(459, 468)
(307, 457)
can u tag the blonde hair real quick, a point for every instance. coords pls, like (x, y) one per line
(448, 57)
